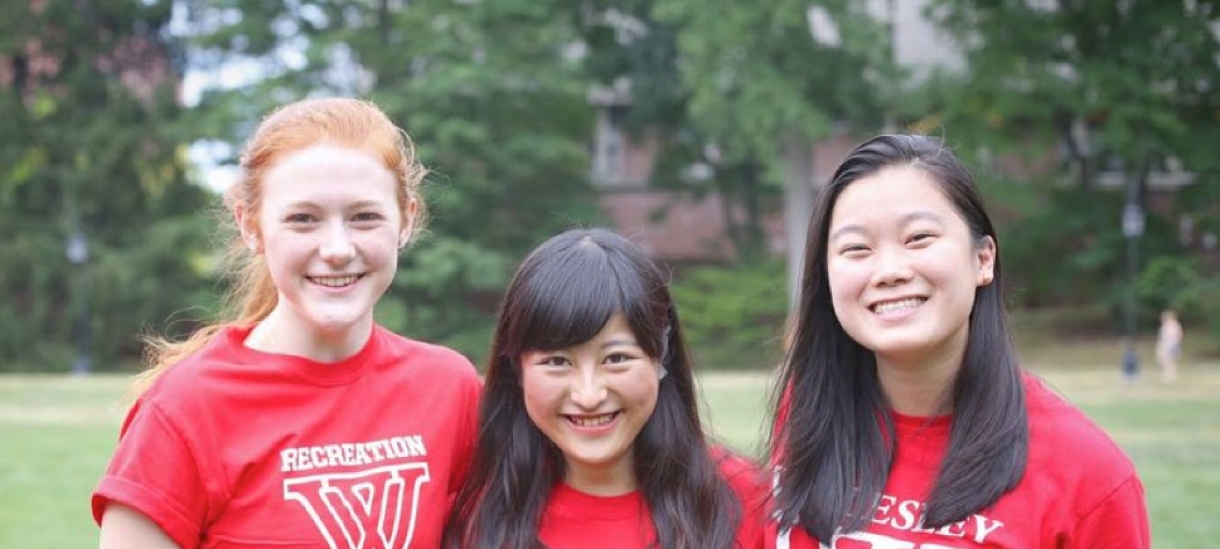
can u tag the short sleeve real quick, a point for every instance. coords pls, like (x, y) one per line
(467, 428)
(1120, 520)
(154, 471)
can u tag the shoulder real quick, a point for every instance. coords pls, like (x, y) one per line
(193, 378)
(437, 358)
(1053, 416)
(732, 465)
(1066, 444)
(744, 476)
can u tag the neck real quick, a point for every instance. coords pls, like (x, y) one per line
(922, 385)
(282, 334)
(610, 480)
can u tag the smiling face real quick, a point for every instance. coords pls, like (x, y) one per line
(903, 269)
(329, 229)
(592, 400)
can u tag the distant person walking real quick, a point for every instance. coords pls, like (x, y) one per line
(1169, 345)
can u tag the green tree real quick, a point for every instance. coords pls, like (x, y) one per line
(728, 86)
(1116, 84)
(91, 147)
(761, 82)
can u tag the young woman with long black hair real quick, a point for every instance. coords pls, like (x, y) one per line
(902, 417)
(589, 431)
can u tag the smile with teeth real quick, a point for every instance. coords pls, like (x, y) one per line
(334, 281)
(889, 307)
(592, 421)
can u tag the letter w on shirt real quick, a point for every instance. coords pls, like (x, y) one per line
(344, 506)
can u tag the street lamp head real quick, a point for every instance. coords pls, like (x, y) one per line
(77, 248)
(1133, 221)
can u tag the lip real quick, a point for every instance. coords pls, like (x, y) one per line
(593, 429)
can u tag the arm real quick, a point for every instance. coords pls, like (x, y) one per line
(124, 527)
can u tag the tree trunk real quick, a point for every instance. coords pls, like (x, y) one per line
(798, 206)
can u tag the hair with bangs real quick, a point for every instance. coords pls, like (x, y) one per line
(561, 296)
(828, 443)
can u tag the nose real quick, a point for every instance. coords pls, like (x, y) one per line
(892, 267)
(588, 389)
(337, 246)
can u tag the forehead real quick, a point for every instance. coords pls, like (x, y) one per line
(617, 327)
(895, 194)
(327, 173)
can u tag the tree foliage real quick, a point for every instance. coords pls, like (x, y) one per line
(1123, 82)
(91, 145)
(496, 97)
(1124, 88)
(729, 85)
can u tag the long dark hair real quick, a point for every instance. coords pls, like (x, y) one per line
(562, 295)
(832, 452)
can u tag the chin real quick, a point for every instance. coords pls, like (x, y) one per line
(338, 324)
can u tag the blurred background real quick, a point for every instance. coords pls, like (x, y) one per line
(699, 128)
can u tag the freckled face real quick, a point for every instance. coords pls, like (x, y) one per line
(903, 267)
(592, 400)
(330, 228)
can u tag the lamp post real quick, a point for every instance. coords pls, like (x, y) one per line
(1133, 228)
(77, 250)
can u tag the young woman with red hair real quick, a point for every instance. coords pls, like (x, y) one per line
(298, 421)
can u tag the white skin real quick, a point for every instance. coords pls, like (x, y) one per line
(125, 528)
(329, 230)
(592, 400)
(903, 270)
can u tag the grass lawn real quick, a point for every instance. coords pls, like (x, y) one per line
(58, 433)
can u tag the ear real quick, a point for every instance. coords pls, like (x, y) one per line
(408, 224)
(984, 255)
(248, 227)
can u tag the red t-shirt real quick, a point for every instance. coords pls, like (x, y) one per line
(1079, 491)
(576, 520)
(234, 447)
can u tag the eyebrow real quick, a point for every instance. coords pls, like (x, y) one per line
(906, 219)
(354, 206)
(616, 342)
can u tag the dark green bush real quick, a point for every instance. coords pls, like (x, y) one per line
(733, 315)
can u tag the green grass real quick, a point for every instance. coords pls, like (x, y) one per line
(58, 433)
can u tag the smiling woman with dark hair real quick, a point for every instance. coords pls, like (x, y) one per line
(903, 418)
(589, 432)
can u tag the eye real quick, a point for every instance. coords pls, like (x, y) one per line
(920, 237)
(300, 218)
(618, 358)
(366, 217)
(853, 250)
(554, 361)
